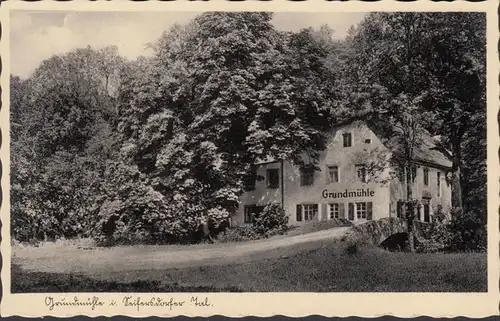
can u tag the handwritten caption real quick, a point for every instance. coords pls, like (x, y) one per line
(128, 301)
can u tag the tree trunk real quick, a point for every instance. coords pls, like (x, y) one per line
(409, 210)
(456, 187)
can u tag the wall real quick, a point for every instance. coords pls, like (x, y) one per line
(345, 158)
(420, 190)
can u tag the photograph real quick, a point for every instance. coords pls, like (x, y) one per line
(247, 151)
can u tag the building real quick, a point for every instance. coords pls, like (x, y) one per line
(355, 180)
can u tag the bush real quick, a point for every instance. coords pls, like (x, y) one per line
(435, 235)
(239, 234)
(467, 232)
(272, 220)
(457, 232)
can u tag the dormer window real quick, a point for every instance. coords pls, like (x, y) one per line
(347, 139)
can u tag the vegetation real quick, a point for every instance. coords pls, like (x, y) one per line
(271, 221)
(147, 151)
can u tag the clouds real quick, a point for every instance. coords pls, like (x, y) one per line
(36, 36)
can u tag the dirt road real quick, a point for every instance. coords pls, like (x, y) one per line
(65, 259)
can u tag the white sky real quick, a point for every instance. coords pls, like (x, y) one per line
(36, 36)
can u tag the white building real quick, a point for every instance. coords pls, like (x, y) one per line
(355, 181)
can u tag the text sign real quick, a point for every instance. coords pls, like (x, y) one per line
(360, 192)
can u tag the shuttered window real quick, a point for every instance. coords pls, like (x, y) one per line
(334, 210)
(361, 210)
(310, 211)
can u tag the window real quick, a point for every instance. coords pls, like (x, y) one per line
(273, 178)
(368, 141)
(310, 211)
(251, 211)
(249, 183)
(306, 176)
(426, 176)
(306, 212)
(347, 139)
(427, 213)
(361, 171)
(413, 173)
(361, 210)
(332, 174)
(334, 210)
(439, 183)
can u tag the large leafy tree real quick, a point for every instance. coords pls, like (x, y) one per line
(434, 62)
(221, 93)
(62, 135)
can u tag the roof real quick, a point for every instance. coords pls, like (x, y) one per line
(429, 150)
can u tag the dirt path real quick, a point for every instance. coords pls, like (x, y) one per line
(64, 259)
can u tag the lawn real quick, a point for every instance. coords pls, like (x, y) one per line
(311, 267)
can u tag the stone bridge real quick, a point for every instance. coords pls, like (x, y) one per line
(375, 232)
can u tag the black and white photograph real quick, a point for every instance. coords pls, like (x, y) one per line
(247, 151)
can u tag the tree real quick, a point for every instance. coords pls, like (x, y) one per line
(66, 109)
(423, 57)
(222, 92)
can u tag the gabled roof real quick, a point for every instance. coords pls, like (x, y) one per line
(429, 150)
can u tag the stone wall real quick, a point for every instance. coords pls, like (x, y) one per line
(375, 232)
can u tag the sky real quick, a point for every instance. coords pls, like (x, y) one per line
(36, 36)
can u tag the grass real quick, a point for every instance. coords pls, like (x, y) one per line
(40, 282)
(320, 266)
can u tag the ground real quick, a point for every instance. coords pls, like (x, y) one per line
(313, 262)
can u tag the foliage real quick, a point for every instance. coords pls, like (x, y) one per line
(436, 234)
(150, 150)
(221, 93)
(272, 219)
(66, 110)
(393, 61)
(468, 232)
(239, 234)
(457, 231)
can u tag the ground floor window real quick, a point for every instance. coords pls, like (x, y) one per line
(336, 210)
(360, 210)
(306, 212)
(251, 211)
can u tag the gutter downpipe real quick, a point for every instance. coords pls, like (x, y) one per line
(282, 186)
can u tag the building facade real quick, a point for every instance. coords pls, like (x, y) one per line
(355, 180)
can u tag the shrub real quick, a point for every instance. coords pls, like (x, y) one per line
(435, 236)
(272, 220)
(467, 232)
(459, 231)
(239, 234)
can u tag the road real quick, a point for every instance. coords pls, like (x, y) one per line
(70, 259)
